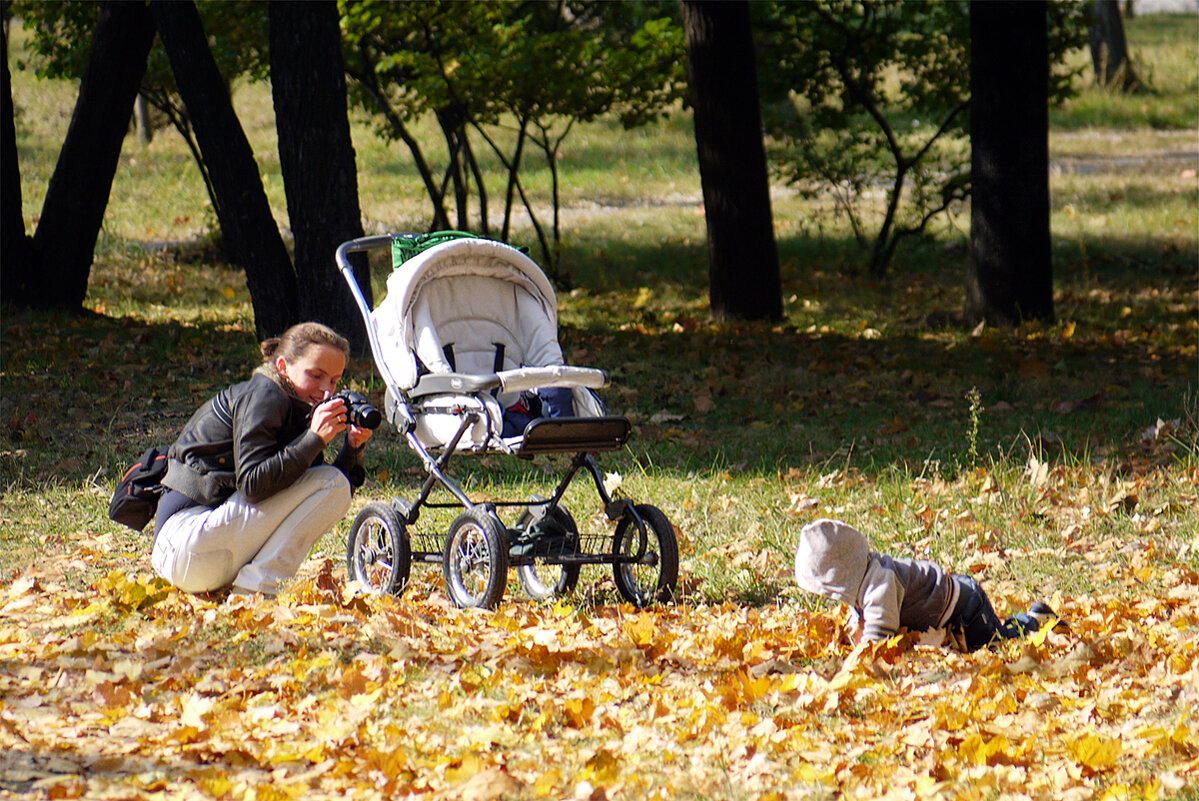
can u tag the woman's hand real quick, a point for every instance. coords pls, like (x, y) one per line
(356, 437)
(329, 419)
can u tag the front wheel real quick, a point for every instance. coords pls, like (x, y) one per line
(377, 552)
(475, 560)
(541, 581)
(655, 576)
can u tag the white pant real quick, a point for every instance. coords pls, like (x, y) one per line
(252, 546)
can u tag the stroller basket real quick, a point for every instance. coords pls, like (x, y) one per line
(465, 341)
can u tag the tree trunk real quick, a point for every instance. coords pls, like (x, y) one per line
(73, 211)
(1010, 273)
(316, 154)
(743, 269)
(1109, 51)
(141, 118)
(16, 269)
(249, 230)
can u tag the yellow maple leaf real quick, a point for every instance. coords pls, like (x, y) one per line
(1094, 751)
(579, 711)
(986, 752)
(546, 783)
(641, 630)
(604, 767)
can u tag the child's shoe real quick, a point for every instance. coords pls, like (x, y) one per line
(1032, 620)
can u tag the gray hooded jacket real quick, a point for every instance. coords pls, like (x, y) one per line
(835, 561)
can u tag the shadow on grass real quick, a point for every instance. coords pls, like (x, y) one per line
(870, 373)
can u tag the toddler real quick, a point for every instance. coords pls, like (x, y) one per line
(835, 561)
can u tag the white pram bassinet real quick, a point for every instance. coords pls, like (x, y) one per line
(468, 329)
(471, 323)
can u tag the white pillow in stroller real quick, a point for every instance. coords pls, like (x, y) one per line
(438, 418)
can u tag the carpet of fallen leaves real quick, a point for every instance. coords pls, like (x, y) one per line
(131, 689)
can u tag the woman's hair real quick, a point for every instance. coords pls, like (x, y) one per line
(293, 343)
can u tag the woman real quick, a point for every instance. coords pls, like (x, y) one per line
(249, 494)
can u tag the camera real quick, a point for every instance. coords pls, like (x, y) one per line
(359, 411)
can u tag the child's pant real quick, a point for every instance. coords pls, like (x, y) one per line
(974, 620)
(250, 546)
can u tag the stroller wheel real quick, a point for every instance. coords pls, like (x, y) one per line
(476, 559)
(654, 577)
(377, 553)
(541, 581)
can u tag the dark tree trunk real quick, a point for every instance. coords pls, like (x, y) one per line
(248, 228)
(73, 211)
(16, 269)
(743, 269)
(1109, 50)
(316, 155)
(1011, 272)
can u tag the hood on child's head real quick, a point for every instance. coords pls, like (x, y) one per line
(831, 560)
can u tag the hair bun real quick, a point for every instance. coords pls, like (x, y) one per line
(268, 347)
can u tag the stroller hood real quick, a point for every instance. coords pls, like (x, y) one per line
(468, 305)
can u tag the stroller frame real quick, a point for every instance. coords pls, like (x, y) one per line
(544, 544)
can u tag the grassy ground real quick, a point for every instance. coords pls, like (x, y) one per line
(862, 378)
(1057, 461)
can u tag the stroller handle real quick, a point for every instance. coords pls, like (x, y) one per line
(362, 245)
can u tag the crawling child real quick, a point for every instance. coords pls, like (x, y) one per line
(835, 561)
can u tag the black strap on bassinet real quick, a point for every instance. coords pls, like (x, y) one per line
(448, 350)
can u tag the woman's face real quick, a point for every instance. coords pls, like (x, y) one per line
(315, 373)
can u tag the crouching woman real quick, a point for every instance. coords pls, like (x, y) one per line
(248, 491)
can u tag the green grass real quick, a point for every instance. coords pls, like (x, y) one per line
(856, 405)
(1164, 52)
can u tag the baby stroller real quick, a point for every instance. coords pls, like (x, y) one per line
(466, 342)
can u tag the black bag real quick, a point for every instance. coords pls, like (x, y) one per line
(136, 498)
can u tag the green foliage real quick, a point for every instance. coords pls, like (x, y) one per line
(62, 33)
(867, 98)
(576, 60)
(61, 41)
(509, 74)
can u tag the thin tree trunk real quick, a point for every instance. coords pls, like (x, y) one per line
(743, 269)
(141, 117)
(77, 195)
(16, 268)
(367, 81)
(316, 154)
(480, 185)
(1011, 272)
(513, 168)
(250, 233)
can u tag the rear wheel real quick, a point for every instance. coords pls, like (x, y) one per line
(475, 561)
(377, 551)
(542, 581)
(652, 579)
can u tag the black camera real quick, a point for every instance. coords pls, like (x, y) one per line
(359, 411)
